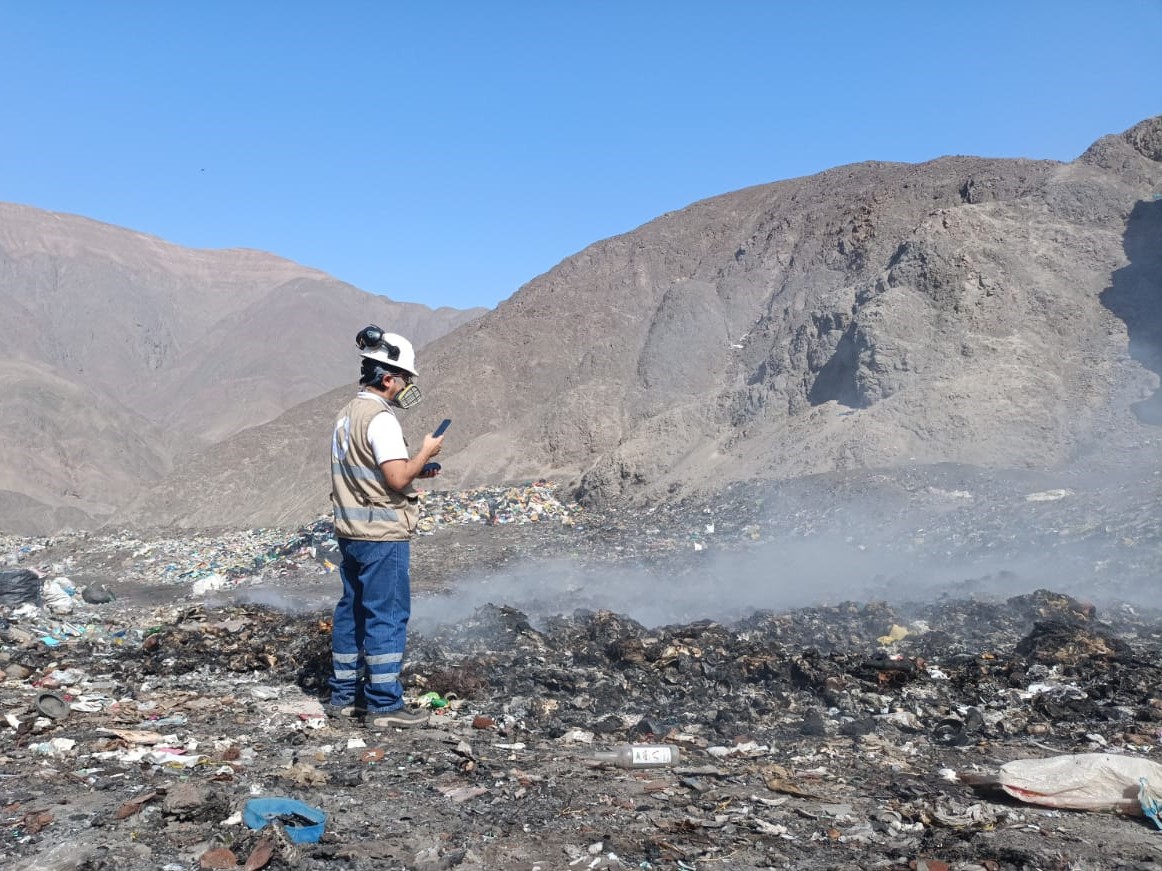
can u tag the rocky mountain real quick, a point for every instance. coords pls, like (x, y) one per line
(122, 351)
(1002, 313)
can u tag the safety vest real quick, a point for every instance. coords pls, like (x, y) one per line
(365, 507)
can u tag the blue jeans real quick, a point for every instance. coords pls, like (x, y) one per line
(371, 622)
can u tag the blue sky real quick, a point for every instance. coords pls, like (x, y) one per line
(446, 153)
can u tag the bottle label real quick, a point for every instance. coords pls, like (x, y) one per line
(646, 755)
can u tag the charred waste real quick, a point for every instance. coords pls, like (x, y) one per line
(857, 714)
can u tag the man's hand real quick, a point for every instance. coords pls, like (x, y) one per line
(432, 446)
(400, 473)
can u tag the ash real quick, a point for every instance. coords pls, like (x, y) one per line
(829, 654)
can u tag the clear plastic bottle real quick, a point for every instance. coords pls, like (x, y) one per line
(640, 756)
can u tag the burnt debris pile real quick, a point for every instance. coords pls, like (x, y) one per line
(1035, 664)
(843, 736)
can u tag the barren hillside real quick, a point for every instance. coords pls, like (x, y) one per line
(167, 349)
(991, 312)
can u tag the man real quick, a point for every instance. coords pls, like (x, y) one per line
(376, 510)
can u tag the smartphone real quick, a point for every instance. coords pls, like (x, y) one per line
(443, 426)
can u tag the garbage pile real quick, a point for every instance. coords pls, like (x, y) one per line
(536, 502)
(986, 724)
(848, 736)
(221, 559)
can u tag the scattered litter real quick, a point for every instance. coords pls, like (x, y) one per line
(532, 503)
(809, 735)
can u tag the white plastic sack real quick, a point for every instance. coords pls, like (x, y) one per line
(208, 584)
(58, 595)
(1085, 781)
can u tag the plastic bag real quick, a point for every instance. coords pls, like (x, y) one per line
(208, 584)
(302, 823)
(1086, 781)
(1150, 798)
(58, 595)
(19, 586)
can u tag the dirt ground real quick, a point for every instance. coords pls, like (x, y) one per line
(827, 658)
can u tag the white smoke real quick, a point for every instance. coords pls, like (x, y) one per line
(999, 540)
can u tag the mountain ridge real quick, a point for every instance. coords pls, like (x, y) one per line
(870, 315)
(192, 344)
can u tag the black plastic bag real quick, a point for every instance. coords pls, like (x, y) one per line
(18, 586)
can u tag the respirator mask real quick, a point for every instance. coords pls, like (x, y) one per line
(408, 397)
(375, 341)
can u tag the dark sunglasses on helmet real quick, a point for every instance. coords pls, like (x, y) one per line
(371, 336)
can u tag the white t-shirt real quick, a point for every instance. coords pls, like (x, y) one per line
(386, 437)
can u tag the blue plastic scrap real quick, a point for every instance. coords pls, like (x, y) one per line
(1151, 801)
(302, 823)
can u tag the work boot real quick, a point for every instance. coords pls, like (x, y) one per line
(353, 711)
(400, 718)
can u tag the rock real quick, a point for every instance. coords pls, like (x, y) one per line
(186, 800)
(218, 858)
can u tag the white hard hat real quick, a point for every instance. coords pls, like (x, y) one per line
(391, 349)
